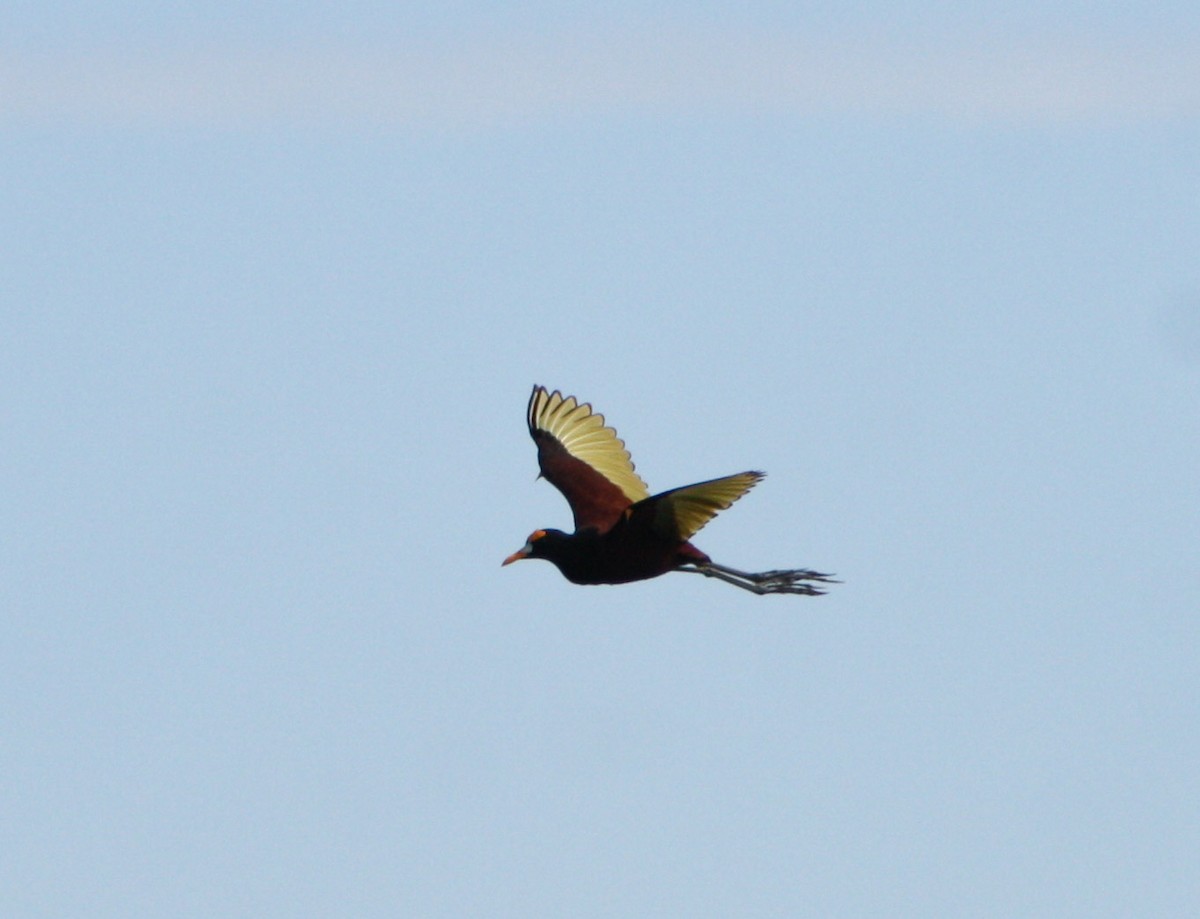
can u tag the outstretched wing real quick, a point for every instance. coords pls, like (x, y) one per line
(681, 512)
(583, 458)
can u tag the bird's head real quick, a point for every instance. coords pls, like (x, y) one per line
(540, 544)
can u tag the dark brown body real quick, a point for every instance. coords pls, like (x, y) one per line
(617, 556)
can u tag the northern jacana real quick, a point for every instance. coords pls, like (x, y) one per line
(622, 532)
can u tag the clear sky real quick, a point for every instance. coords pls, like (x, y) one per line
(275, 283)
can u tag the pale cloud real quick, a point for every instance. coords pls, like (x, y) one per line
(499, 82)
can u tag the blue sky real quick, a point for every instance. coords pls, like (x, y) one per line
(276, 284)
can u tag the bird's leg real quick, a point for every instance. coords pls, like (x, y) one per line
(710, 572)
(779, 581)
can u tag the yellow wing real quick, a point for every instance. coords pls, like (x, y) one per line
(583, 434)
(687, 509)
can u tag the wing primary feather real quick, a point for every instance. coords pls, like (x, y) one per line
(582, 433)
(685, 510)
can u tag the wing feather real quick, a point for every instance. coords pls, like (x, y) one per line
(681, 512)
(583, 458)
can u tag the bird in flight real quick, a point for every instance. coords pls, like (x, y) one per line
(622, 532)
